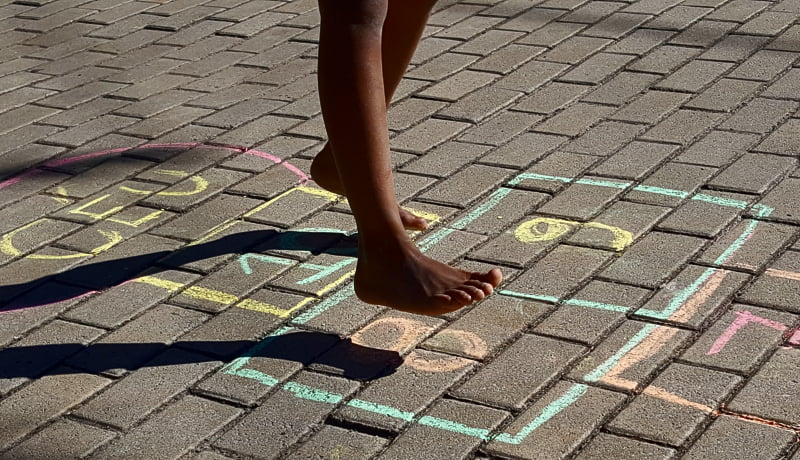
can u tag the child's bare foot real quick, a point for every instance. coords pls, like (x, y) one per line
(405, 279)
(323, 171)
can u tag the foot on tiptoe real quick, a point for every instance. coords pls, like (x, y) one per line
(399, 276)
(323, 171)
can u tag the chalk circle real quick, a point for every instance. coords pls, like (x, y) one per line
(542, 229)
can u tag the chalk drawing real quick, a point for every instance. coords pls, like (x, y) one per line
(531, 231)
(743, 318)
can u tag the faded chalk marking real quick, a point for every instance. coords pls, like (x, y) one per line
(576, 302)
(795, 276)
(743, 318)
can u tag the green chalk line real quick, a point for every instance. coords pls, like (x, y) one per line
(236, 367)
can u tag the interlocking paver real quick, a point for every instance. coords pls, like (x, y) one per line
(631, 165)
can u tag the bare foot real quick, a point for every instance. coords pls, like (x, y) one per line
(405, 279)
(324, 173)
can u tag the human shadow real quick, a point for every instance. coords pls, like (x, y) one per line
(274, 352)
(90, 277)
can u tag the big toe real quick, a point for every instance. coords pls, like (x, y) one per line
(493, 277)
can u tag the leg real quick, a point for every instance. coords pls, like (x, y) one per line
(391, 270)
(402, 30)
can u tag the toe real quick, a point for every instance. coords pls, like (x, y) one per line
(474, 292)
(487, 288)
(493, 277)
(459, 297)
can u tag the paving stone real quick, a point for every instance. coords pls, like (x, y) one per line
(635, 160)
(717, 148)
(27, 273)
(551, 173)
(483, 330)
(671, 184)
(200, 220)
(621, 88)
(480, 104)
(777, 287)
(537, 362)
(634, 218)
(446, 159)
(65, 388)
(703, 33)
(48, 443)
(593, 312)
(774, 378)
(717, 289)
(741, 340)
(551, 98)
(786, 41)
(651, 107)
(764, 65)
(678, 18)
(753, 173)
(604, 138)
(423, 439)
(664, 59)
(21, 116)
(41, 350)
(442, 66)
(676, 422)
(782, 141)
(764, 240)
(422, 378)
(585, 408)
(653, 259)
(694, 76)
(168, 374)
(581, 202)
(284, 418)
(332, 441)
(575, 49)
(523, 150)
(174, 431)
(551, 34)
(743, 438)
(605, 446)
(597, 68)
(426, 136)
(530, 76)
(113, 356)
(458, 85)
(514, 205)
(630, 373)
(574, 119)
(724, 95)
(735, 48)
(738, 10)
(547, 277)
(507, 248)
(499, 129)
(462, 188)
(705, 218)
(760, 115)
(51, 300)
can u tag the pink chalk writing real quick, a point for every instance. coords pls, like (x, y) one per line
(743, 318)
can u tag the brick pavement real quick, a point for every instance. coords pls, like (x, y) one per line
(173, 286)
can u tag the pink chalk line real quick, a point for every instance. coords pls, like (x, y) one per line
(743, 319)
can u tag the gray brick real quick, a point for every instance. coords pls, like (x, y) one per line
(335, 441)
(173, 432)
(651, 107)
(678, 18)
(531, 76)
(469, 27)
(738, 10)
(514, 205)
(122, 405)
(783, 140)
(654, 259)
(501, 128)
(207, 216)
(283, 418)
(51, 300)
(33, 236)
(580, 202)
(780, 200)
(256, 131)
(523, 150)
(764, 65)
(48, 443)
(488, 327)
(604, 138)
(430, 47)
(735, 48)
(575, 49)
(549, 440)
(635, 160)
(631, 217)
(597, 68)
(763, 241)
(453, 14)
(64, 389)
(467, 185)
(458, 85)
(773, 379)
(620, 89)
(760, 115)
(552, 34)
(562, 166)
(537, 361)
(426, 136)
(549, 278)
(551, 98)
(703, 307)
(605, 446)
(231, 331)
(287, 211)
(703, 218)
(423, 378)
(444, 160)
(422, 440)
(694, 76)
(441, 66)
(753, 173)
(756, 333)
(718, 148)
(724, 95)
(786, 87)
(574, 320)
(786, 41)
(184, 18)
(675, 423)
(106, 203)
(488, 42)
(90, 130)
(574, 119)
(739, 437)
(664, 59)
(480, 104)
(682, 126)
(703, 33)
(106, 356)
(27, 273)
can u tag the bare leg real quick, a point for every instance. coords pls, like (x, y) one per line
(402, 30)
(391, 270)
